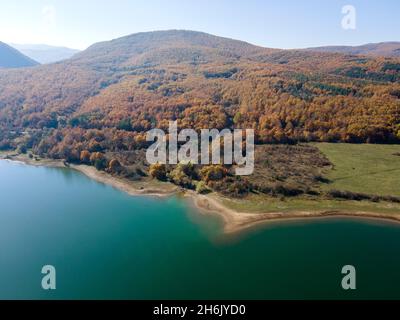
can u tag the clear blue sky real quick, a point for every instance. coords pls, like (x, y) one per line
(270, 23)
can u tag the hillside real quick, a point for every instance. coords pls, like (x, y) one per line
(109, 95)
(162, 47)
(44, 53)
(383, 49)
(12, 58)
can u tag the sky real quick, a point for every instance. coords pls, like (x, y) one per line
(269, 23)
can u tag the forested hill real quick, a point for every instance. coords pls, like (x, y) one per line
(12, 58)
(108, 96)
(175, 46)
(382, 49)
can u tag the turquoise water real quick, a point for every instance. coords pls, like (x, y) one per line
(106, 244)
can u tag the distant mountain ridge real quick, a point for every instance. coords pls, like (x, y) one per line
(384, 49)
(171, 45)
(12, 58)
(45, 53)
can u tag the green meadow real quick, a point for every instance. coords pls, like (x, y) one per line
(264, 203)
(364, 168)
(359, 168)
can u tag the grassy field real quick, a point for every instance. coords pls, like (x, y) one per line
(262, 203)
(363, 168)
(370, 169)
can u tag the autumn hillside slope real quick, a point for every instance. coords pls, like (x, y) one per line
(382, 49)
(106, 97)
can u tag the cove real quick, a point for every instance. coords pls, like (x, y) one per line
(106, 244)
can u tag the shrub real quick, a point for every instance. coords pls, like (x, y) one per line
(94, 146)
(100, 164)
(213, 173)
(231, 186)
(202, 188)
(96, 156)
(322, 179)
(158, 171)
(85, 156)
(114, 165)
(347, 195)
(22, 149)
(180, 177)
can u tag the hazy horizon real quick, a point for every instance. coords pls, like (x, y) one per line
(105, 40)
(285, 24)
(38, 45)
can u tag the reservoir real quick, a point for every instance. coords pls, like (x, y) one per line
(106, 244)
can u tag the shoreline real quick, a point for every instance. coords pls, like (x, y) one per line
(123, 184)
(234, 221)
(119, 183)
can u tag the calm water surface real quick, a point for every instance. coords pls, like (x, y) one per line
(106, 244)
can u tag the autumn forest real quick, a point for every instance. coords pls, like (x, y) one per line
(96, 107)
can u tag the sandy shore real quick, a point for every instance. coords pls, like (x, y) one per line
(238, 221)
(234, 221)
(132, 188)
(14, 157)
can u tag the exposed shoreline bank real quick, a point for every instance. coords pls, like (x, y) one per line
(234, 221)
